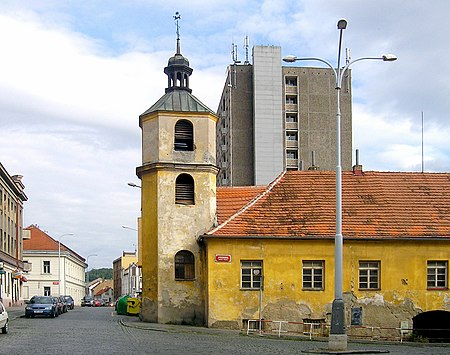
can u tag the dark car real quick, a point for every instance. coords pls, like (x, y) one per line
(87, 301)
(64, 304)
(42, 306)
(70, 302)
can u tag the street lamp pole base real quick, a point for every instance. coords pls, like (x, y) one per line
(337, 342)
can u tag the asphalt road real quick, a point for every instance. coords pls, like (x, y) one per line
(101, 331)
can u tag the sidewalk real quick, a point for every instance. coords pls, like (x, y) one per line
(15, 312)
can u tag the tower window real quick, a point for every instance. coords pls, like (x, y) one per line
(184, 265)
(184, 190)
(184, 136)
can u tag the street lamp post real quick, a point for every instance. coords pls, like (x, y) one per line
(59, 263)
(87, 273)
(338, 338)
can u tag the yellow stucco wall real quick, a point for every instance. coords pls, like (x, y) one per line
(167, 227)
(403, 279)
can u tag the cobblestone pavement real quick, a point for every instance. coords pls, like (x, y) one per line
(101, 331)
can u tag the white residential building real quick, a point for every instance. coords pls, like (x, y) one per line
(42, 252)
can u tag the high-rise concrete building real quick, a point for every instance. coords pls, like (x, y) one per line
(274, 118)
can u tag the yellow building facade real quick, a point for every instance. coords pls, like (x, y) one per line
(222, 256)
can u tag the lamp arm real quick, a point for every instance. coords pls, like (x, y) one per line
(344, 69)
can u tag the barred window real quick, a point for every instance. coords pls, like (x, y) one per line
(313, 274)
(184, 190)
(369, 275)
(184, 265)
(437, 274)
(251, 275)
(184, 136)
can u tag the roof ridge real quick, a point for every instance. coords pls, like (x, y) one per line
(249, 204)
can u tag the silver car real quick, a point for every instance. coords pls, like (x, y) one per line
(3, 319)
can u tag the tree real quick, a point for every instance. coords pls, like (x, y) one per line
(103, 273)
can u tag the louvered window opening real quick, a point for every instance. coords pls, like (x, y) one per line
(184, 136)
(184, 190)
(184, 265)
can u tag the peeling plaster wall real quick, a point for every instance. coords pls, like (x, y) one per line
(403, 292)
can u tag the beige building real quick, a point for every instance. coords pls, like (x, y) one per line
(48, 266)
(274, 118)
(12, 267)
(121, 264)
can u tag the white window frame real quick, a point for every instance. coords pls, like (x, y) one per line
(45, 267)
(251, 274)
(437, 274)
(369, 275)
(313, 275)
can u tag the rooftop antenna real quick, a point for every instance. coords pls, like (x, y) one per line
(176, 18)
(234, 53)
(246, 50)
(348, 57)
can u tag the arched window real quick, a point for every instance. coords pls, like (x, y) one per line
(184, 190)
(184, 136)
(184, 265)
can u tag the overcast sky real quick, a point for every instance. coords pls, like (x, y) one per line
(76, 75)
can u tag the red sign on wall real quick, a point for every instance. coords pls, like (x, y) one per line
(222, 258)
(55, 282)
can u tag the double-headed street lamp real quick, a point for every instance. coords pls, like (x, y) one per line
(59, 265)
(338, 337)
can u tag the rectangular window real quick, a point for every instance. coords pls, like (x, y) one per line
(437, 272)
(291, 117)
(291, 136)
(251, 275)
(291, 81)
(313, 275)
(369, 275)
(46, 267)
(291, 154)
(291, 99)
(47, 291)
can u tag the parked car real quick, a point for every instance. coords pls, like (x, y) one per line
(96, 303)
(42, 306)
(3, 319)
(64, 304)
(87, 301)
(70, 302)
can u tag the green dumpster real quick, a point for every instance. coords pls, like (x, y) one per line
(133, 306)
(122, 305)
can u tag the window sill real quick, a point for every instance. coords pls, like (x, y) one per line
(184, 279)
(369, 289)
(437, 289)
(313, 289)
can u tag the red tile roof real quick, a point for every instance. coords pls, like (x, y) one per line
(39, 240)
(375, 205)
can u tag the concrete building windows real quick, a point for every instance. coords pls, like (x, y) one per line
(291, 99)
(369, 275)
(437, 272)
(184, 190)
(184, 136)
(184, 265)
(313, 275)
(290, 81)
(46, 267)
(291, 117)
(251, 275)
(292, 154)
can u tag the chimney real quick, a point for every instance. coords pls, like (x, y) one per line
(357, 168)
(313, 161)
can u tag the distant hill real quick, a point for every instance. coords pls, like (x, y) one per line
(104, 273)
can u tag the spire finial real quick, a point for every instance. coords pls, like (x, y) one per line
(176, 18)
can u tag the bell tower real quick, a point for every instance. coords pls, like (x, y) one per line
(178, 198)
